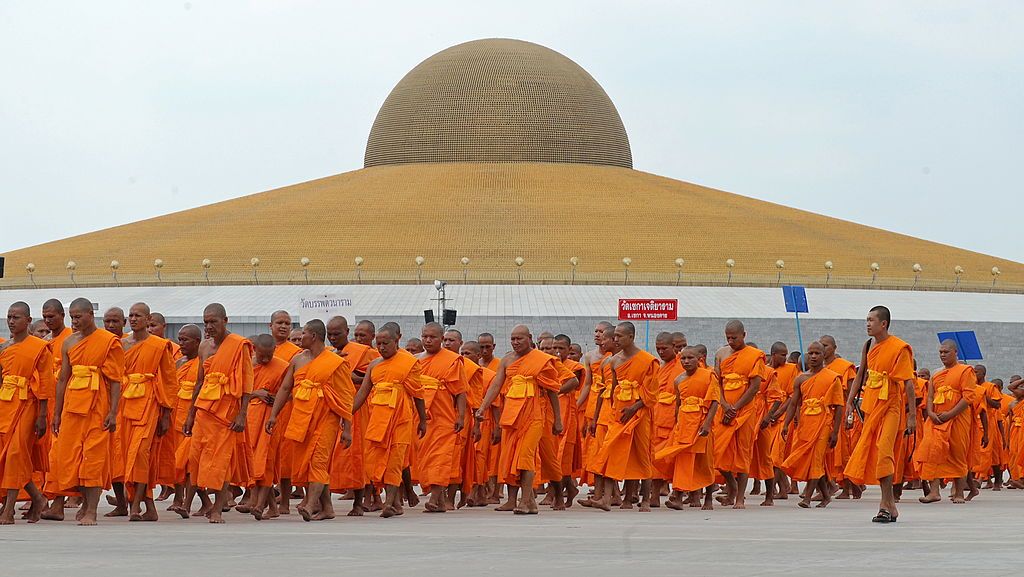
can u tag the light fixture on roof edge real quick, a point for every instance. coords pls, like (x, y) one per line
(158, 264)
(679, 270)
(359, 269)
(114, 265)
(958, 271)
(573, 262)
(419, 268)
(304, 263)
(71, 266)
(828, 272)
(729, 264)
(779, 264)
(626, 261)
(206, 264)
(465, 268)
(917, 268)
(874, 272)
(995, 274)
(519, 261)
(30, 268)
(254, 263)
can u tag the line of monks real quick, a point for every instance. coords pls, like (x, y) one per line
(308, 414)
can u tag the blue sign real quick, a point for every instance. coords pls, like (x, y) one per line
(967, 348)
(796, 299)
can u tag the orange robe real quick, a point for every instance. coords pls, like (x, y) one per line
(82, 447)
(527, 380)
(150, 383)
(569, 455)
(943, 452)
(550, 460)
(285, 351)
(26, 374)
(688, 456)
(786, 375)
(265, 447)
(890, 365)
(627, 451)
(734, 443)
(912, 469)
(188, 374)
(218, 455)
(347, 468)
(837, 457)
(821, 395)
(439, 452)
(390, 425)
(493, 365)
(1016, 456)
(599, 389)
(44, 444)
(487, 452)
(465, 470)
(663, 415)
(985, 457)
(321, 397)
(762, 466)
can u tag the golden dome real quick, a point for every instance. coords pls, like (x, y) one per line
(498, 100)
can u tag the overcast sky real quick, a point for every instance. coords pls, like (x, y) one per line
(904, 115)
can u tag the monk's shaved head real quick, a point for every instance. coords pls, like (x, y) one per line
(276, 314)
(262, 340)
(604, 325)
(21, 307)
(317, 328)
(116, 312)
(192, 331)
(471, 346)
(143, 307)
(664, 338)
(563, 339)
(780, 348)
(433, 328)
(828, 340)
(366, 324)
(950, 344)
(340, 323)
(628, 327)
(158, 318)
(395, 330)
(519, 330)
(81, 304)
(217, 310)
(734, 326)
(55, 305)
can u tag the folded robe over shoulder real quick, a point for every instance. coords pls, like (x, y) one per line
(688, 456)
(347, 467)
(627, 452)
(663, 413)
(150, 383)
(942, 453)
(321, 397)
(443, 379)
(389, 429)
(268, 377)
(188, 374)
(218, 455)
(83, 447)
(527, 378)
(734, 442)
(762, 466)
(890, 364)
(26, 370)
(820, 396)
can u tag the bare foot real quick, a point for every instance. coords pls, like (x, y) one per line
(117, 512)
(521, 510)
(972, 494)
(824, 503)
(35, 510)
(216, 517)
(180, 510)
(413, 499)
(7, 518)
(674, 505)
(707, 507)
(87, 519)
(602, 505)
(570, 495)
(645, 507)
(739, 505)
(81, 513)
(323, 516)
(843, 495)
(387, 513)
(804, 503)
(768, 502)
(50, 515)
(257, 514)
(626, 504)
(244, 509)
(204, 511)
(932, 499)
(304, 513)
(434, 508)
(724, 500)
(357, 511)
(135, 517)
(588, 502)
(506, 506)
(958, 499)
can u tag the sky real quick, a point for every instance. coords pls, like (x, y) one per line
(902, 115)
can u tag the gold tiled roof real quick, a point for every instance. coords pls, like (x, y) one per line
(498, 100)
(492, 213)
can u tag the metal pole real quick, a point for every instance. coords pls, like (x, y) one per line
(647, 337)
(800, 340)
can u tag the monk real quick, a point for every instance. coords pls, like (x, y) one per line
(444, 394)
(741, 370)
(39, 330)
(53, 316)
(166, 465)
(158, 328)
(487, 358)
(216, 420)
(485, 448)
(281, 330)
(769, 400)
(26, 374)
(1015, 417)
(886, 376)
(947, 431)
(688, 453)
(364, 332)
(982, 450)
(523, 376)
(576, 352)
(85, 415)
(663, 414)
(268, 373)
(596, 387)
(114, 321)
(626, 453)
(840, 455)
(393, 388)
(678, 342)
(347, 469)
(187, 369)
(319, 385)
(144, 414)
(816, 410)
(464, 474)
(414, 346)
(569, 455)
(550, 461)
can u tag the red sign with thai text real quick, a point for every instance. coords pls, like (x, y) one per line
(648, 309)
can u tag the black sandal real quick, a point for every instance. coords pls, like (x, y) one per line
(883, 516)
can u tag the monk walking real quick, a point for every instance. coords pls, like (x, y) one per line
(626, 453)
(487, 358)
(942, 453)
(187, 369)
(393, 389)
(741, 371)
(663, 414)
(26, 374)
(840, 455)
(85, 415)
(319, 385)
(689, 453)
(886, 376)
(217, 417)
(815, 415)
(444, 394)
(268, 373)
(524, 376)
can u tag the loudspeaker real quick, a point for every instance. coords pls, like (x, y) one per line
(1, 267)
(428, 316)
(448, 317)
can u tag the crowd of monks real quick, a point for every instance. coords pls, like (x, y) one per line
(309, 413)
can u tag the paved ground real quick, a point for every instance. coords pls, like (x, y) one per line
(938, 539)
